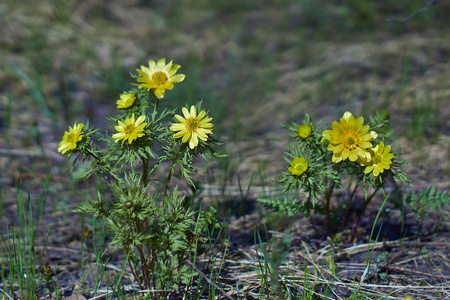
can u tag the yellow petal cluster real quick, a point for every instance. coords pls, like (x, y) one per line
(126, 100)
(159, 76)
(71, 138)
(349, 138)
(192, 126)
(130, 130)
(380, 159)
(298, 166)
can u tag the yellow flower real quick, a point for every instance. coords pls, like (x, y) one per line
(159, 76)
(304, 131)
(192, 127)
(298, 166)
(130, 130)
(71, 138)
(126, 100)
(349, 138)
(380, 159)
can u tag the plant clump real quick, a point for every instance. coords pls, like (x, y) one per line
(322, 160)
(147, 218)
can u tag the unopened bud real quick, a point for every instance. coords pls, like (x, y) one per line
(304, 131)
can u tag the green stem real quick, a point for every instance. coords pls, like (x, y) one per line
(362, 212)
(349, 202)
(155, 100)
(152, 262)
(308, 208)
(135, 276)
(168, 179)
(327, 208)
(172, 167)
(144, 265)
(89, 151)
(145, 269)
(145, 170)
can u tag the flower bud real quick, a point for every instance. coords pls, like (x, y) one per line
(298, 166)
(304, 131)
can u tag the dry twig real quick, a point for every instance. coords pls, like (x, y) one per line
(423, 9)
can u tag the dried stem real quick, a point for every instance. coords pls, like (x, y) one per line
(423, 9)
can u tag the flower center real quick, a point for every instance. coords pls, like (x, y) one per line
(72, 138)
(129, 128)
(376, 159)
(351, 140)
(299, 167)
(192, 124)
(159, 77)
(129, 101)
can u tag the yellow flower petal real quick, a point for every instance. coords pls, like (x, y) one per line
(177, 127)
(337, 127)
(140, 120)
(347, 116)
(326, 134)
(338, 148)
(186, 113)
(351, 122)
(178, 78)
(345, 153)
(368, 169)
(201, 115)
(359, 123)
(173, 70)
(336, 157)
(193, 111)
(201, 133)
(364, 129)
(187, 136)
(365, 145)
(353, 156)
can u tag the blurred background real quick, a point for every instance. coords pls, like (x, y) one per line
(255, 64)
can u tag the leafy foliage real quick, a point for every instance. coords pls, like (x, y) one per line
(311, 191)
(431, 198)
(146, 217)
